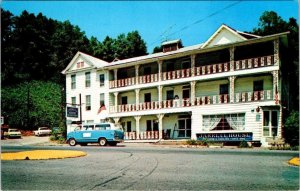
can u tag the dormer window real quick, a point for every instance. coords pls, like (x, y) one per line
(171, 45)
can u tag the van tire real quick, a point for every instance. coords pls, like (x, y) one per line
(72, 142)
(102, 141)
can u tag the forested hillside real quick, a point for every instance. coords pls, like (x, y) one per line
(35, 49)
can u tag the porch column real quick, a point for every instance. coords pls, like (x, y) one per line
(160, 125)
(231, 86)
(137, 98)
(160, 96)
(137, 126)
(115, 74)
(193, 57)
(276, 96)
(137, 73)
(276, 52)
(231, 53)
(159, 70)
(116, 119)
(193, 93)
(116, 101)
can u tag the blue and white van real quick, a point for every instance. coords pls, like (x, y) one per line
(102, 133)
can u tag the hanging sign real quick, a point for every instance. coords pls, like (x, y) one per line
(72, 112)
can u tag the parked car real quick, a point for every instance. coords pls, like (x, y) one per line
(102, 134)
(42, 131)
(13, 133)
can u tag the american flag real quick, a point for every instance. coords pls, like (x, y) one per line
(101, 109)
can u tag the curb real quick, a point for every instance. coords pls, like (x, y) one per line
(42, 155)
(294, 161)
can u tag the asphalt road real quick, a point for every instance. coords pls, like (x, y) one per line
(153, 168)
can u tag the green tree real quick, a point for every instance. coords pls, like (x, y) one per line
(7, 50)
(33, 104)
(108, 49)
(270, 23)
(291, 129)
(37, 48)
(66, 41)
(96, 47)
(137, 46)
(157, 49)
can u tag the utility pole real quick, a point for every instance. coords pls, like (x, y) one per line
(80, 108)
(28, 105)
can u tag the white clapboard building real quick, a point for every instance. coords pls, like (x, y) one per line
(229, 88)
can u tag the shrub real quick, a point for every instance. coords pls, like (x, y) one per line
(192, 142)
(243, 144)
(61, 140)
(204, 142)
(291, 129)
(53, 138)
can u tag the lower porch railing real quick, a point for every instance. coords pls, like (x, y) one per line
(146, 135)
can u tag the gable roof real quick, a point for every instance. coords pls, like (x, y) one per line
(92, 61)
(238, 36)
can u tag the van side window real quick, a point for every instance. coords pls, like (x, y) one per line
(105, 126)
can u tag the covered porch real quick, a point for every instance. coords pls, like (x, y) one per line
(151, 128)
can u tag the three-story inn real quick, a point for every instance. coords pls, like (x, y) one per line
(228, 88)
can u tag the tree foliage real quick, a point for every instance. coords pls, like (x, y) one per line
(271, 23)
(157, 49)
(124, 46)
(37, 48)
(32, 104)
(291, 129)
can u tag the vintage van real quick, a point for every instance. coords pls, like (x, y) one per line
(102, 133)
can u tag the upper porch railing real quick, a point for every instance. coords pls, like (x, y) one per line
(198, 101)
(196, 71)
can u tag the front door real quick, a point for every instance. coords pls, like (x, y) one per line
(184, 128)
(270, 123)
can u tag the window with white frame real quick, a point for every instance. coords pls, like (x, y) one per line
(73, 81)
(88, 102)
(101, 79)
(73, 101)
(88, 79)
(102, 102)
(233, 121)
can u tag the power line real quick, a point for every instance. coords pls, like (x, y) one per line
(199, 21)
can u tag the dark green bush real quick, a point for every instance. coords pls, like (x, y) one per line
(243, 144)
(291, 129)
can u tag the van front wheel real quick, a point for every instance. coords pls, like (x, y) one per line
(72, 142)
(102, 141)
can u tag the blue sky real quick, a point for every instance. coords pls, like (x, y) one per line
(191, 21)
